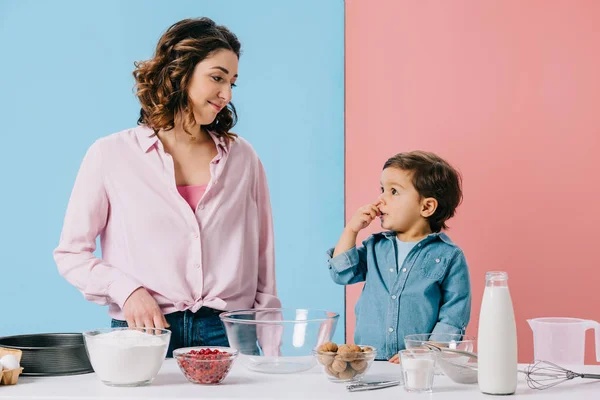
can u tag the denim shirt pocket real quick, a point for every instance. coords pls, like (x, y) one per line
(433, 267)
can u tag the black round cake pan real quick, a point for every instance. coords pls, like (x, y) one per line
(50, 354)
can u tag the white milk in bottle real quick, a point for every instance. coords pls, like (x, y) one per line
(497, 338)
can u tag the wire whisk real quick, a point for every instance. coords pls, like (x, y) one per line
(543, 375)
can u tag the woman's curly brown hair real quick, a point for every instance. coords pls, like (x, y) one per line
(162, 82)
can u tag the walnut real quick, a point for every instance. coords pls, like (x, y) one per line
(343, 348)
(331, 372)
(358, 365)
(346, 353)
(347, 374)
(354, 348)
(329, 347)
(367, 349)
(346, 357)
(326, 360)
(339, 366)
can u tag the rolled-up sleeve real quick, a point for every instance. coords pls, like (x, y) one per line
(85, 218)
(348, 267)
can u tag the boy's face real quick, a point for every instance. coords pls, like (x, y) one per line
(399, 202)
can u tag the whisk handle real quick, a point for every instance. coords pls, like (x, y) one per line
(590, 376)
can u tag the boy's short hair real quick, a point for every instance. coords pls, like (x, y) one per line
(433, 177)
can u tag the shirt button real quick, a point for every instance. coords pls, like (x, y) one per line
(391, 269)
(394, 297)
(437, 260)
(403, 269)
(419, 245)
(390, 329)
(197, 265)
(196, 235)
(201, 206)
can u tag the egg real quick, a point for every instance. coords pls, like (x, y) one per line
(9, 362)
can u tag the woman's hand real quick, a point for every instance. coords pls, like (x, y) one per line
(142, 311)
(395, 359)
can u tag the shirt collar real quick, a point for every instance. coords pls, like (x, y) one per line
(432, 236)
(147, 139)
(222, 144)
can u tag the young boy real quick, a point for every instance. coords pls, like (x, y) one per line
(416, 278)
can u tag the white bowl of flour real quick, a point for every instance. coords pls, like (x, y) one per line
(127, 356)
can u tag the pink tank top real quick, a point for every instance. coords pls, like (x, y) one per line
(192, 194)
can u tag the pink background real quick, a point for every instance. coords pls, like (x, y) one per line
(509, 92)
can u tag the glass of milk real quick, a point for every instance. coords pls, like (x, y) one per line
(418, 366)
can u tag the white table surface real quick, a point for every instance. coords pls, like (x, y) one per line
(243, 384)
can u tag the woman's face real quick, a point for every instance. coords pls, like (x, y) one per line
(211, 84)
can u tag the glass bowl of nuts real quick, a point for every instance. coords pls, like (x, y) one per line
(346, 362)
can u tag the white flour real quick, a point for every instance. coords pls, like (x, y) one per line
(126, 356)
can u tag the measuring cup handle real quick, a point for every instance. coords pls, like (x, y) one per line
(596, 325)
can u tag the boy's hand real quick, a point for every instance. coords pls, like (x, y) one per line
(395, 359)
(363, 217)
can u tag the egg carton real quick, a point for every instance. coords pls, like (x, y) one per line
(10, 376)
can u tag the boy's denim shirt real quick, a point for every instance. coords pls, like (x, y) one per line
(429, 293)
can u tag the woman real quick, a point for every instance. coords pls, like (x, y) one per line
(181, 204)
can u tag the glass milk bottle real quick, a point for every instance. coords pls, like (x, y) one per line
(497, 338)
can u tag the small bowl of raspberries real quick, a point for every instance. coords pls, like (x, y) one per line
(205, 365)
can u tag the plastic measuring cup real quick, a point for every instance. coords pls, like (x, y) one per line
(562, 340)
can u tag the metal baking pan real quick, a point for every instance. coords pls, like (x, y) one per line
(50, 354)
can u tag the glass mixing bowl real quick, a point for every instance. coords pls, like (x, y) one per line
(454, 341)
(278, 340)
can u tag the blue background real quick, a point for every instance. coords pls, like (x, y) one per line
(65, 80)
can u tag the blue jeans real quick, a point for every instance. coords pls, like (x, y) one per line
(203, 328)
